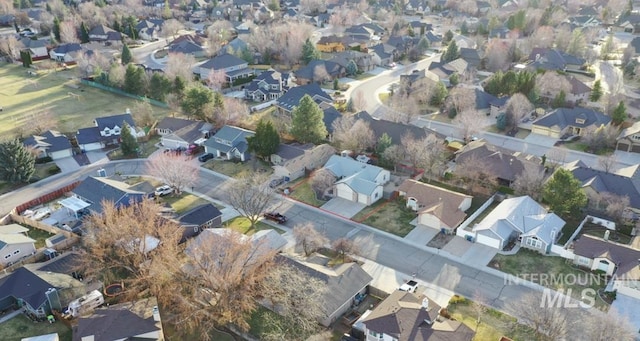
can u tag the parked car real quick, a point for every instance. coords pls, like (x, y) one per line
(205, 157)
(163, 190)
(193, 149)
(410, 286)
(276, 182)
(277, 217)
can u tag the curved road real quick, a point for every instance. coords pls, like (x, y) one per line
(397, 253)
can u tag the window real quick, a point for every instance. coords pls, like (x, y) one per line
(196, 229)
(7, 256)
(535, 243)
(16, 252)
(372, 333)
(580, 121)
(116, 131)
(583, 260)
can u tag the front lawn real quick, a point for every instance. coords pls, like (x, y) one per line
(530, 265)
(237, 169)
(243, 225)
(183, 202)
(569, 228)
(39, 235)
(303, 192)
(20, 327)
(493, 324)
(390, 216)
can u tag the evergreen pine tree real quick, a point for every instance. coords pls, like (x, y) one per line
(265, 141)
(596, 92)
(126, 56)
(17, 163)
(128, 142)
(309, 52)
(451, 53)
(56, 28)
(84, 33)
(307, 123)
(619, 114)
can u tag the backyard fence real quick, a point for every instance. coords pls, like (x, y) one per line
(123, 93)
(40, 225)
(462, 229)
(46, 198)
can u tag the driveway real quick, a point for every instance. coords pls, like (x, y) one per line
(541, 140)
(343, 207)
(628, 307)
(97, 156)
(67, 164)
(473, 254)
(421, 235)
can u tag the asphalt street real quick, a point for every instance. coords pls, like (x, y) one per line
(383, 248)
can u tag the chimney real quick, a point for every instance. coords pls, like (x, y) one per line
(606, 234)
(425, 303)
(156, 314)
(128, 111)
(553, 235)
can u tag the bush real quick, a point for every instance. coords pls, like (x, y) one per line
(505, 190)
(53, 170)
(457, 299)
(45, 159)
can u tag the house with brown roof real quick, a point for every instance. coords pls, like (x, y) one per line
(437, 207)
(406, 316)
(294, 161)
(618, 261)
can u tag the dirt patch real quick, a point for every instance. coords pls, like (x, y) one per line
(440, 240)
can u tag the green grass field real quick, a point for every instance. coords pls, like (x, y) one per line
(19, 327)
(25, 98)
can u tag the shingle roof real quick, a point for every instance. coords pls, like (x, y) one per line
(402, 316)
(222, 62)
(173, 124)
(192, 132)
(291, 151)
(50, 140)
(33, 43)
(200, 215)
(25, 285)
(67, 48)
(66, 263)
(115, 120)
(601, 182)
(395, 130)
(361, 177)
(625, 257)
(88, 135)
(14, 238)
(442, 203)
(292, 97)
(309, 71)
(96, 190)
(565, 117)
(234, 135)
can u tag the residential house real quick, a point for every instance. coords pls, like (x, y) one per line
(188, 44)
(584, 21)
(554, 60)
(92, 191)
(15, 246)
(267, 86)
(385, 53)
(522, 220)
(416, 6)
(37, 48)
(471, 57)
(22, 286)
(569, 121)
(195, 133)
(356, 181)
(105, 34)
(229, 141)
(287, 102)
(169, 125)
(293, 161)
(198, 219)
(342, 283)
(320, 19)
(44, 337)
(235, 46)
(89, 139)
(66, 53)
(618, 261)
(395, 130)
(110, 128)
(330, 44)
(406, 316)
(50, 143)
(445, 70)
(629, 139)
(364, 61)
(578, 93)
(330, 114)
(435, 41)
(629, 23)
(368, 31)
(139, 320)
(13, 229)
(403, 44)
(319, 71)
(420, 28)
(233, 67)
(437, 207)
(503, 165)
(149, 29)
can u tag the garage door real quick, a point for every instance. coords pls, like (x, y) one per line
(345, 192)
(635, 149)
(622, 146)
(362, 198)
(172, 144)
(488, 241)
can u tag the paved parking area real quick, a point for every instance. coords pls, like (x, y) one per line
(628, 308)
(421, 234)
(541, 140)
(478, 255)
(67, 164)
(343, 207)
(457, 246)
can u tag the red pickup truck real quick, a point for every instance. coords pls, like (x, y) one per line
(277, 217)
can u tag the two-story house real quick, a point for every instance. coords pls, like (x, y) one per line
(629, 139)
(330, 44)
(102, 33)
(149, 29)
(267, 86)
(110, 128)
(293, 161)
(233, 67)
(230, 142)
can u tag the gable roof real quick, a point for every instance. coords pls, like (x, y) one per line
(552, 59)
(236, 136)
(291, 151)
(522, 215)
(200, 215)
(403, 316)
(318, 155)
(122, 321)
(632, 130)
(115, 120)
(67, 48)
(101, 30)
(25, 285)
(395, 130)
(95, 190)
(222, 62)
(13, 228)
(173, 124)
(292, 97)
(602, 182)
(577, 86)
(186, 47)
(13, 239)
(625, 257)
(192, 132)
(440, 202)
(357, 175)
(332, 69)
(50, 140)
(343, 282)
(471, 56)
(88, 135)
(33, 43)
(565, 117)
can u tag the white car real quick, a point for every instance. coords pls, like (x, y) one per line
(163, 190)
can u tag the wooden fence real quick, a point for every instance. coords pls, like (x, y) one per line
(46, 198)
(40, 225)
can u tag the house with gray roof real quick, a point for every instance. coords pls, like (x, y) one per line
(294, 161)
(229, 142)
(319, 71)
(110, 128)
(198, 219)
(267, 86)
(103, 33)
(232, 66)
(196, 132)
(407, 316)
(89, 139)
(66, 53)
(36, 47)
(520, 220)
(139, 320)
(32, 291)
(357, 181)
(629, 139)
(187, 44)
(569, 121)
(15, 246)
(287, 102)
(92, 191)
(553, 60)
(50, 143)
(385, 53)
(395, 130)
(169, 125)
(364, 61)
(149, 29)
(342, 282)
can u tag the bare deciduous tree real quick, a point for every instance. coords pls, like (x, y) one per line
(461, 99)
(550, 84)
(404, 108)
(322, 180)
(218, 34)
(175, 170)
(143, 114)
(608, 163)
(469, 122)
(10, 46)
(312, 6)
(344, 247)
(427, 153)
(352, 134)
(518, 106)
(179, 65)
(91, 14)
(251, 196)
(358, 101)
(394, 154)
(548, 323)
(497, 55)
(476, 173)
(233, 111)
(68, 32)
(170, 28)
(609, 326)
(308, 238)
(530, 182)
(116, 74)
(542, 37)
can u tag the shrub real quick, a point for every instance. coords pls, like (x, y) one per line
(45, 159)
(457, 299)
(505, 190)
(53, 170)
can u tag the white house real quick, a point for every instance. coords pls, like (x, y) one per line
(15, 246)
(357, 181)
(110, 128)
(50, 143)
(519, 219)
